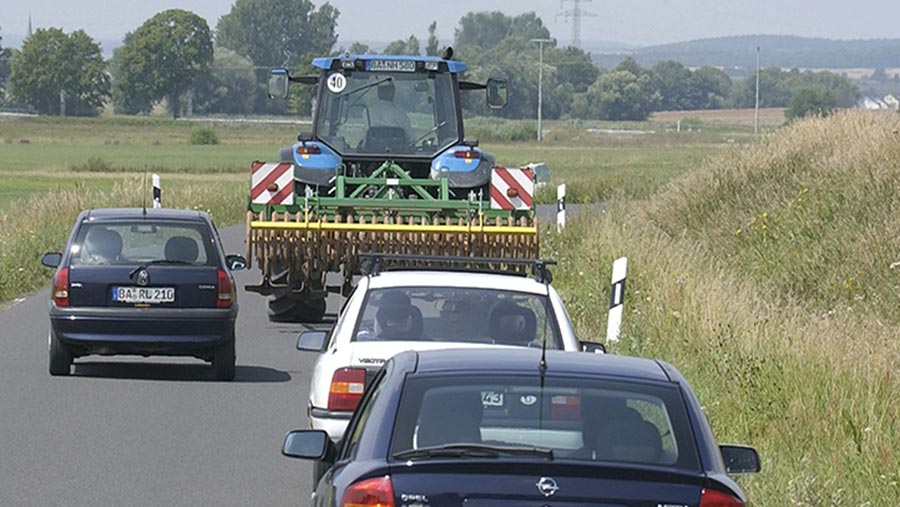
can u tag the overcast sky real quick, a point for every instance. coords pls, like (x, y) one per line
(636, 22)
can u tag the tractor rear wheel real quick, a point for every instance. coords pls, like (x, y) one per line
(285, 309)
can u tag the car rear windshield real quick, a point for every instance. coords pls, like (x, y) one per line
(455, 314)
(126, 243)
(576, 418)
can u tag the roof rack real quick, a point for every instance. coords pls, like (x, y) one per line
(373, 263)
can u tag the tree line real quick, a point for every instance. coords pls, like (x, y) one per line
(176, 60)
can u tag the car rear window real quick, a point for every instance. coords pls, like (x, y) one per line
(577, 418)
(124, 243)
(455, 314)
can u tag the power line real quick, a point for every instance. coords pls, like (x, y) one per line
(575, 14)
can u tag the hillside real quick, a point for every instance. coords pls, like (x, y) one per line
(775, 50)
(770, 277)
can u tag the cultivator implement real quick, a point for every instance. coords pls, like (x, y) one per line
(296, 242)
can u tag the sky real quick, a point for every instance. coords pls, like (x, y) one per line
(633, 22)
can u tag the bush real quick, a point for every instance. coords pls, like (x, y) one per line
(204, 136)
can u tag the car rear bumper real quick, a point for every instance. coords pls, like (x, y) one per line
(331, 421)
(143, 331)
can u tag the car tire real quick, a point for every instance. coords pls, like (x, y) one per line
(224, 361)
(285, 309)
(60, 358)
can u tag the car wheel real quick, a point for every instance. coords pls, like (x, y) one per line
(285, 309)
(223, 361)
(60, 358)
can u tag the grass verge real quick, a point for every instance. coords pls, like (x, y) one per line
(785, 355)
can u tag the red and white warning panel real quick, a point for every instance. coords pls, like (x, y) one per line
(512, 188)
(272, 183)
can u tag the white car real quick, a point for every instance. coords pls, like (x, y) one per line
(396, 311)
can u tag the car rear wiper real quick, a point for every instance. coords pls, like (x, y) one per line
(474, 451)
(144, 265)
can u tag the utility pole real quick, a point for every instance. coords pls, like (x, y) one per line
(756, 110)
(540, 131)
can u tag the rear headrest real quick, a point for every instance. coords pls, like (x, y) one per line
(181, 248)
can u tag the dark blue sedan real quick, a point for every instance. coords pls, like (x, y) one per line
(143, 282)
(516, 428)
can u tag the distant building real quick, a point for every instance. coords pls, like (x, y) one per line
(871, 103)
(892, 102)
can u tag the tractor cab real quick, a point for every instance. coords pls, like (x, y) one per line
(372, 108)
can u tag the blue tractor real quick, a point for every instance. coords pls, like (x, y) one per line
(386, 167)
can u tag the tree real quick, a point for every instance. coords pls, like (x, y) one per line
(232, 86)
(618, 95)
(278, 32)
(818, 100)
(485, 29)
(675, 85)
(358, 48)
(163, 58)
(54, 70)
(5, 56)
(573, 66)
(409, 46)
(715, 86)
(432, 46)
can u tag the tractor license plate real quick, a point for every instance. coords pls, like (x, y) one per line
(393, 65)
(151, 295)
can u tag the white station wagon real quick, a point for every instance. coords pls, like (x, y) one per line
(395, 311)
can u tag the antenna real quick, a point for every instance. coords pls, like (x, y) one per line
(576, 13)
(144, 193)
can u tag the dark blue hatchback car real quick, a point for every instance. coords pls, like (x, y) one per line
(520, 428)
(143, 282)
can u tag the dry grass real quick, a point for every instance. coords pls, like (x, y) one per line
(785, 352)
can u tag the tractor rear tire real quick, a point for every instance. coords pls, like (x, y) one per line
(286, 309)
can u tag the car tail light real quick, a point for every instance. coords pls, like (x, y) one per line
(347, 386)
(374, 492)
(713, 498)
(61, 287)
(225, 290)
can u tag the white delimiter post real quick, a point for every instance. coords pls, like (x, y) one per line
(157, 192)
(616, 299)
(560, 207)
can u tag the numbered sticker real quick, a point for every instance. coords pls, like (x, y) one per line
(491, 399)
(337, 83)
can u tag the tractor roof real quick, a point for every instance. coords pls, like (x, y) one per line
(327, 63)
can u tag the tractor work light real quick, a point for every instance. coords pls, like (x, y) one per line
(348, 64)
(431, 65)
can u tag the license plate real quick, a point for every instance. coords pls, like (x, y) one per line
(151, 295)
(393, 65)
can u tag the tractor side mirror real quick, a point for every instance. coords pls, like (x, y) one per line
(497, 93)
(278, 83)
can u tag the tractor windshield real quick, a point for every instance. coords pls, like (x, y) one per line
(377, 113)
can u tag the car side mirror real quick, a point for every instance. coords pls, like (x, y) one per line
(308, 444)
(311, 340)
(593, 347)
(497, 93)
(740, 459)
(51, 259)
(235, 262)
(278, 83)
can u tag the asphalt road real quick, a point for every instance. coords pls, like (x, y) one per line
(129, 431)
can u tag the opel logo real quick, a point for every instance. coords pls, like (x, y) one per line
(143, 278)
(547, 486)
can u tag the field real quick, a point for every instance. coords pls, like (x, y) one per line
(766, 269)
